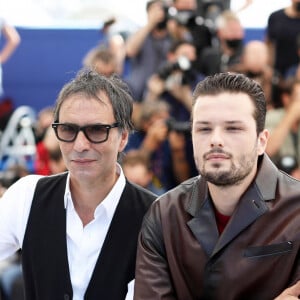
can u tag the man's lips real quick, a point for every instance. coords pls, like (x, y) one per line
(216, 156)
(82, 161)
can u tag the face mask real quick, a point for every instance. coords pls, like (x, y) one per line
(297, 7)
(234, 43)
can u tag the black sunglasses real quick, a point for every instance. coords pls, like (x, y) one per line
(95, 133)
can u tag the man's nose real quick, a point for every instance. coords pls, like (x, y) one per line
(81, 142)
(217, 138)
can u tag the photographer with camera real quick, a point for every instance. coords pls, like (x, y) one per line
(174, 83)
(194, 21)
(227, 51)
(255, 64)
(147, 48)
(175, 80)
(163, 142)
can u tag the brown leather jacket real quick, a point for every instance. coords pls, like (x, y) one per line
(181, 255)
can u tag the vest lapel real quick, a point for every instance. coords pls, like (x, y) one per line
(116, 261)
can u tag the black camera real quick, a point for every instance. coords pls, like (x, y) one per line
(183, 17)
(182, 64)
(287, 164)
(162, 25)
(178, 126)
(192, 19)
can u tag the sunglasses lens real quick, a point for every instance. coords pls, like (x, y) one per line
(66, 132)
(96, 133)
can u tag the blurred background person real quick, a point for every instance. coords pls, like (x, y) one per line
(281, 36)
(114, 41)
(137, 169)
(147, 48)
(43, 122)
(294, 70)
(102, 60)
(48, 155)
(284, 126)
(227, 50)
(6, 110)
(12, 41)
(174, 83)
(255, 64)
(193, 22)
(175, 79)
(164, 145)
(56, 161)
(11, 175)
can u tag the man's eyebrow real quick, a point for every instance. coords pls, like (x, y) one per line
(231, 122)
(202, 122)
(234, 122)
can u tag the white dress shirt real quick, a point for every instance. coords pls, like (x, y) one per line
(83, 243)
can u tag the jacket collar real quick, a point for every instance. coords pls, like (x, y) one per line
(251, 206)
(266, 179)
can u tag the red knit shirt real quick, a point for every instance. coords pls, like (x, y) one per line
(221, 220)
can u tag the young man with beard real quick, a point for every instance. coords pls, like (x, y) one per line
(233, 232)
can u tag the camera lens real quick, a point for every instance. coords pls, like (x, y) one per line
(287, 163)
(183, 63)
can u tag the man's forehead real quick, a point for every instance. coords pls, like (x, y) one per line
(225, 99)
(100, 96)
(224, 107)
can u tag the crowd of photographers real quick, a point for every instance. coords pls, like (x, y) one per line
(182, 42)
(187, 40)
(164, 59)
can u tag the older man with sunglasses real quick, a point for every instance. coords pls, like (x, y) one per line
(78, 230)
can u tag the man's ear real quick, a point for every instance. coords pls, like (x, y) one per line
(262, 141)
(124, 140)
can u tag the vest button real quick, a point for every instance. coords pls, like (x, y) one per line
(66, 297)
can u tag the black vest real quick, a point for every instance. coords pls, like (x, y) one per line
(44, 251)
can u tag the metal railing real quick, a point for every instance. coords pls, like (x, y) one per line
(17, 141)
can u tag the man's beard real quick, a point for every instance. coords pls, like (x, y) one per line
(235, 175)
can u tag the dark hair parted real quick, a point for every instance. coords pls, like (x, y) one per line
(90, 83)
(235, 83)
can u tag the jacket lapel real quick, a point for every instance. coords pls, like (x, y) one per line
(203, 224)
(251, 206)
(204, 228)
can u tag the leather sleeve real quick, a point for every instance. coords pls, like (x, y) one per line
(152, 279)
(296, 273)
